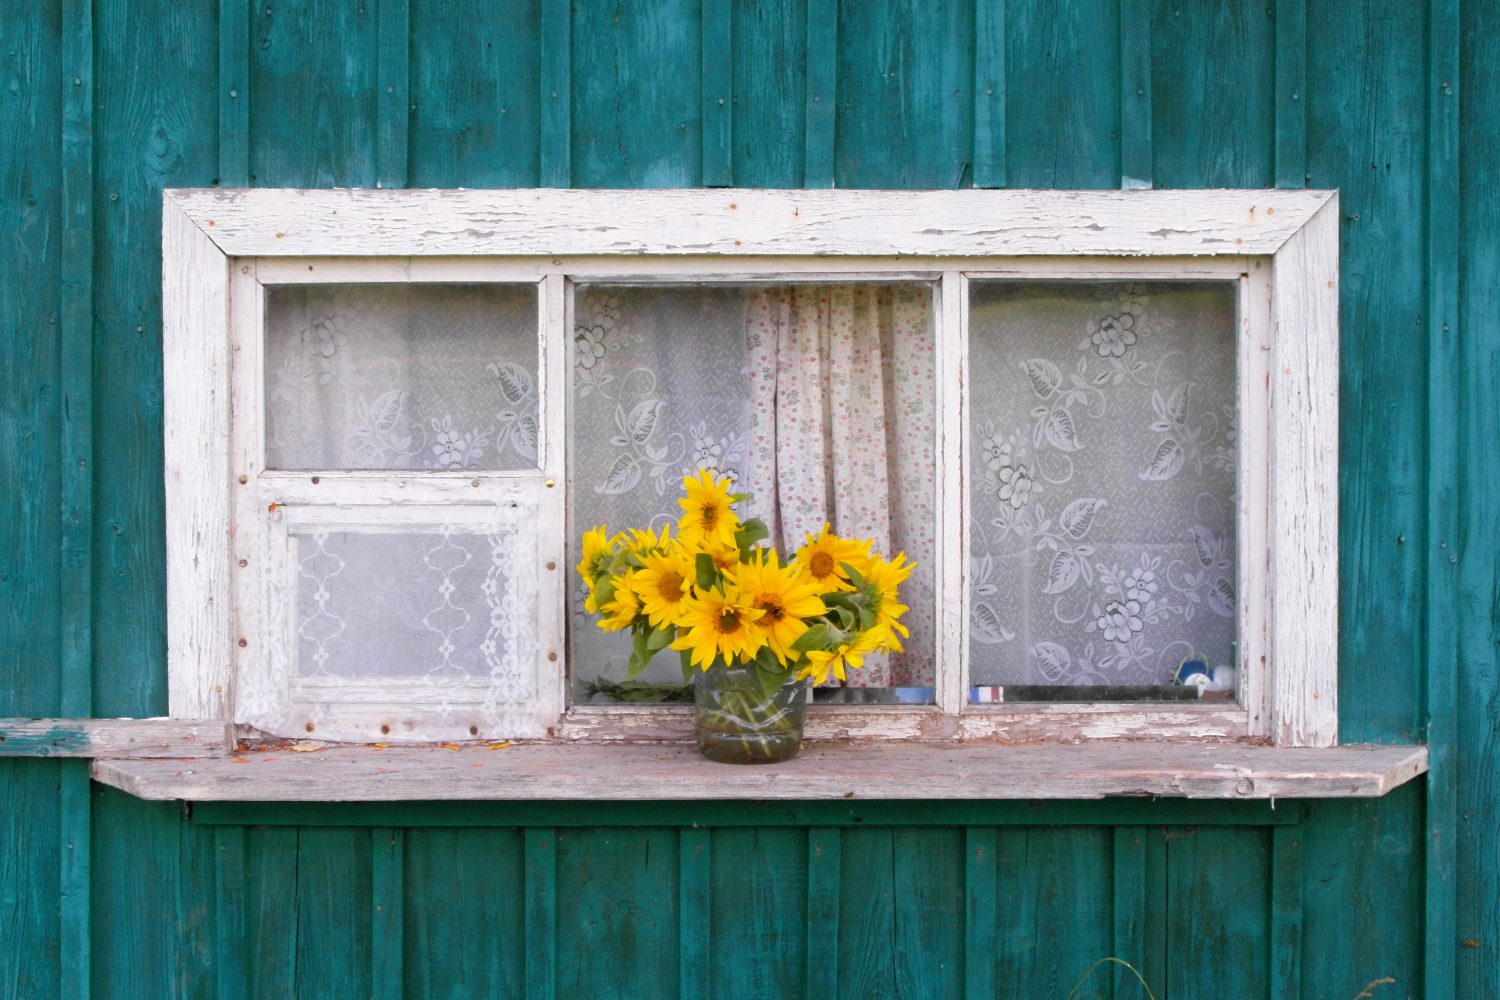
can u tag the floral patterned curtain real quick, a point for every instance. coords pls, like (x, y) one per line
(1103, 422)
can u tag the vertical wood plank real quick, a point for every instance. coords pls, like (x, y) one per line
(979, 912)
(1135, 94)
(1062, 115)
(989, 94)
(825, 851)
(694, 856)
(758, 871)
(1442, 482)
(540, 863)
(334, 947)
(904, 115)
(1291, 83)
(929, 899)
(231, 888)
(1158, 952)
(387, 912)
(1286, 911)
(1476, 736)
(822, 92)
(76, 585)
(392, 77)
(234, 93)
(1213, 86)
(717, 55)
(770, 93)
(556, 154)
(1130, 894)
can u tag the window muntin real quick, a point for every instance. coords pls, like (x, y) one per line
(817, 397)
(1103, 422)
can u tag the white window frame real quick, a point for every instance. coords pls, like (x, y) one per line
(1282, 246)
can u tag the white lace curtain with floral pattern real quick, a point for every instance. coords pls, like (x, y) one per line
(818, 399)
(401, 376)
(1103, 422)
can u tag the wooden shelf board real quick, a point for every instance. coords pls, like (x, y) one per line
(675, 772)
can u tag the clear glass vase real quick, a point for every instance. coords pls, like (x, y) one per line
(738, 723)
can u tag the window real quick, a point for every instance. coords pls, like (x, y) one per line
(1104, 425)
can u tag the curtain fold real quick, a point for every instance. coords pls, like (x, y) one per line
(842, 431)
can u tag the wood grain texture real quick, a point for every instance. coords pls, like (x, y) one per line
(1211, 98)
(746, 223)
(555, 97)
(475, 93)
(1304, 492)
(1289, 50)
(31, 213)
(1476, 834)
(1054, 916)
(770, 93)
(1136, 72)
(161, 129)
(1062, 111)
(1443, 462)
(904, 99)
(832, 771)
(387, 913)
(822, 76)
(314, 118)
(1366, 135)
(112, 738)
(716, 59)
(756, 871)
(195, 307)
(1217, 900)
(460, 888)
(637, 109)
(990, 80)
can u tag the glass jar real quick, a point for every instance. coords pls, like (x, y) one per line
(739, 723)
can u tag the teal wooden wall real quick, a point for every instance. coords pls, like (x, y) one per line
(1397, 104)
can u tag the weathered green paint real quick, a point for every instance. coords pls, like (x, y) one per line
(1397, 104)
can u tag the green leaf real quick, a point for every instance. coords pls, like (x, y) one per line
(751, 531)
(688, 670)
(818, 636)
(659, 639)
(639, 654)
(770, 680)
(708, 573)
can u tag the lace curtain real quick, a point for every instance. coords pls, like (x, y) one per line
(818, 399)
(408, 376)
(1103, 429)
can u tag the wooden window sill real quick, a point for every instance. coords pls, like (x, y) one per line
(831, 770)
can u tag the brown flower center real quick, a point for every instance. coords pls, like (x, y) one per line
(729, 622)
(821, 565)
(774, 610)
(669, 586)
(709, 516)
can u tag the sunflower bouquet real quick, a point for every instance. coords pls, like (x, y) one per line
(718, 595)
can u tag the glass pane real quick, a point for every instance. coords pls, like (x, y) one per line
(431, 606)
(401, 376)
(815, 398)
(1103, 442)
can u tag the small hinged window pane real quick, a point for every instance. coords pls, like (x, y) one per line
(401, 376)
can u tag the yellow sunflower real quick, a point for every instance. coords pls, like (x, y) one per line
(825, 664)
(784, 595)
(598, 548)
(620, 611)
(664, 583)
(707, 522)
(821, 559)
(882, 578)
(720, 624)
